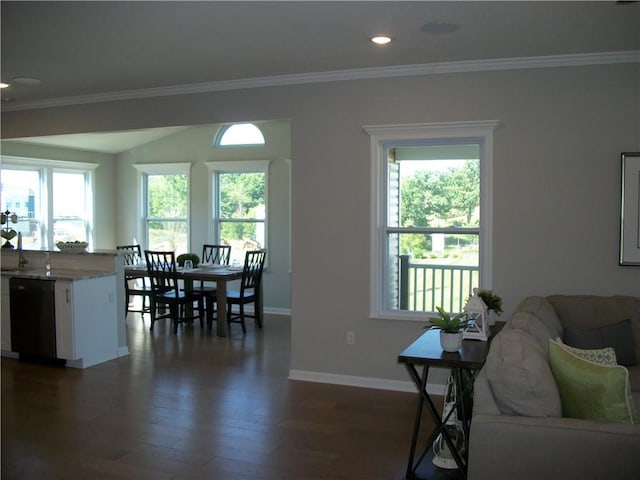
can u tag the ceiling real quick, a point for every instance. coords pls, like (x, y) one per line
(96, 51)
(109, 142)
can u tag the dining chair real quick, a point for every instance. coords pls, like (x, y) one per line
(163, 273)
(249, 290)
(135, 286)
(212, 254)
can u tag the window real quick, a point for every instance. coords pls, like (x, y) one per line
(431, 220)
(239, 205)
(70, 206)
(165, 206)
(53, 200)
(239, 134)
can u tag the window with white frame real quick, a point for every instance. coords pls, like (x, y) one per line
(52, 199)
(431, 216)
(165, 206)
(239, 205)
(239, 134)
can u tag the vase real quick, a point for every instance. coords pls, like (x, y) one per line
(450, 342)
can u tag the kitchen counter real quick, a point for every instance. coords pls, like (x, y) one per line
(55, 274)
(90, 296)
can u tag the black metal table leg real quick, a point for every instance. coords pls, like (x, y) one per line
(421, 383)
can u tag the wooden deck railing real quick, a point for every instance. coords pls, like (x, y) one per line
(423, 287)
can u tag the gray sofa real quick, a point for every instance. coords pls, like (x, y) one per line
(518, 430)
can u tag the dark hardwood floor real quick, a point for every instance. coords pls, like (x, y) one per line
(195, 406)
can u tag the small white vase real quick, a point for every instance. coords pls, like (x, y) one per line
(450, 342)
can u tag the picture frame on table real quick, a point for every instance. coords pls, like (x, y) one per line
(630, 210)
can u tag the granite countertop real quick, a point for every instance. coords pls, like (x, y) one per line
(55, 274)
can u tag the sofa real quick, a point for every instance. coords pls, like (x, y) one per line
(536, 418)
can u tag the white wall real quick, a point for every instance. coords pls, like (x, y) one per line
(556, 198)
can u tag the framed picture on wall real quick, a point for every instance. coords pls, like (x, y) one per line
(630, 210)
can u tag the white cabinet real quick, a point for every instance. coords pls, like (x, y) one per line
(87, 316)
(86, 327)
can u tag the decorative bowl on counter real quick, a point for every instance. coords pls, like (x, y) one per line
(72, 247)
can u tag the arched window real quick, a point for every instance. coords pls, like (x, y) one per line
(239, 134)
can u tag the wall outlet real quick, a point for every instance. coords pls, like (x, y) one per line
(351, 337)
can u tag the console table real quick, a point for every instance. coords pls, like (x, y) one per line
(426, 352)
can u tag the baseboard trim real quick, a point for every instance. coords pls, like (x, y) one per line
(269, 310)
(277, 311)
(122, 352)
(362, 382)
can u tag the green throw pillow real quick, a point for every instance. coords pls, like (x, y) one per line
(589, 390)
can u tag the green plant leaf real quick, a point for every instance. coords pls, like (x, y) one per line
(448, 324)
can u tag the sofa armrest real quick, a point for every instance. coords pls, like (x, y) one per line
(521, 448)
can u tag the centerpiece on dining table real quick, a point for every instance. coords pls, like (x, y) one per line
(191, 259)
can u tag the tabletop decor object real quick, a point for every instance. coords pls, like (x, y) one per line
(7, 232)
(442, 456)
(451, 329)
(195, 259)
(476, 313)
(72, 247)
(493, 303)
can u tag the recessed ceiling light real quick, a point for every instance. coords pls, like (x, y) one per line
(4, 85)
(381, 39)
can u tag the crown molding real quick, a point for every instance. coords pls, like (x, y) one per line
(632, 56)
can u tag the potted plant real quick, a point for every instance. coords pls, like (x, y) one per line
(451, 329)
(493, 303)
(195, 259)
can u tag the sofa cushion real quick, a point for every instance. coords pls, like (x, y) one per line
(634, 377)
(542, 309)
(619, 336)
(589, 390)
(592, 311)
(529, 323)
(520, 376)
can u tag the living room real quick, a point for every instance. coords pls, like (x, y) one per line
(563, 124)
(556, 185)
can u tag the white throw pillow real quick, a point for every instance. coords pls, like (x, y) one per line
(520, 376)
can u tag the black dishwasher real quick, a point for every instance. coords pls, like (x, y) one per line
(33, 318)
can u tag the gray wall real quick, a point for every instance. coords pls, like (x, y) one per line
(556, 186)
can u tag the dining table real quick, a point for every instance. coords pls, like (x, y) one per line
(220, 274)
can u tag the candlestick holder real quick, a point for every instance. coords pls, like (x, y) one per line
(7, 232)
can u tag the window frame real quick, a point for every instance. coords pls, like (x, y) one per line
(383, 136)
(46, 168)
(238, 166)
(146, 169)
